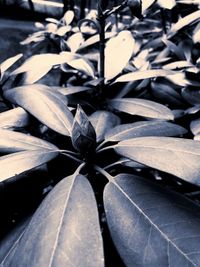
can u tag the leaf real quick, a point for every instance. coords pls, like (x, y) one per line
(122, 42)
(48, 106)
(191, 95)
(83, 65)
(195, 126)
(178, 65)
(95, 39)
(167, 4)
(185, 21)
(75, 41)
(65, 223)
(150, 225)
(177, 156)
(37, 66)
(144, 74)
(103, 121)
(16, 117)
(142, 107)
(196, 34)
(11, 141)
(143, 128)
(4, 66)
(19, 162)
(9, 243)
(68, 17)
(70, 90)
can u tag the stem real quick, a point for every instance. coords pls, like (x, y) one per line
(72, 157)
(104, 173)
(79, 168)
(101, 145)
(105, 148)
(101, 19)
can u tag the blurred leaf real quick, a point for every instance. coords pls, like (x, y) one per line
(95, 39)
(177, 156)
(48, 106)
(75, 41)
(185, 21)
(135, 7)
(83, 65)
(4, 66)
(144, 128)
(65, 223)
(178, 65)
(11, 141)
(146, 4)
(150, 225)
(169, 4)
(142, 107)
(174, 48)
(61, 31)
(37, 66)
(103, 121)
(196, 34)
(16, 117)
(191, 95)
(166, 94)
(114, 63)
(68, 17)
(144, 74)
(72, 89)
(17, 163)
(83, 134)
(195, 126)
(178, 78)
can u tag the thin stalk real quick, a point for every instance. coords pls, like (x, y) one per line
(101, 19)
(101, 145)
(72, 157)
(79, 168)
(104, 173)
(105, 148)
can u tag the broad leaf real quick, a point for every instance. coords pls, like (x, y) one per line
(103, 121)
(65, 226)
(144, 128)
(114, 63)
(195, 126)
(95, 39)
(144, 74)
(70, 90)
(48, 106)
(191, 95)
(75, 41)
(150, 225)
(8, 63)
(83, 65)
(169, 4)
(16, 163)
(11, 141)
(142, 107)
(16, 117)
(177, 156)
(185, 21)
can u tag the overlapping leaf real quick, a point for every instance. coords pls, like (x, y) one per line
(16, 117)
(16, 163)
(65, 223)
(103, 121)
(11, 141)
(142, 107)
(177, 156)
(46, 105)
(151, 226)
(143, 128)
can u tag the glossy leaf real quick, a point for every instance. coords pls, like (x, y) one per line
(143, 74)
(169, 4)
(144, 128)
(142, 107)
(4, 66)
(65, 223)
(150, 225)
(16, 117)
(11, 141)
(195, 126)
(177, 156)
(103, 121)
(17, 163)
(185, 21)
(114, 47)
(48, 106)
(95, 39)
(83, 65)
